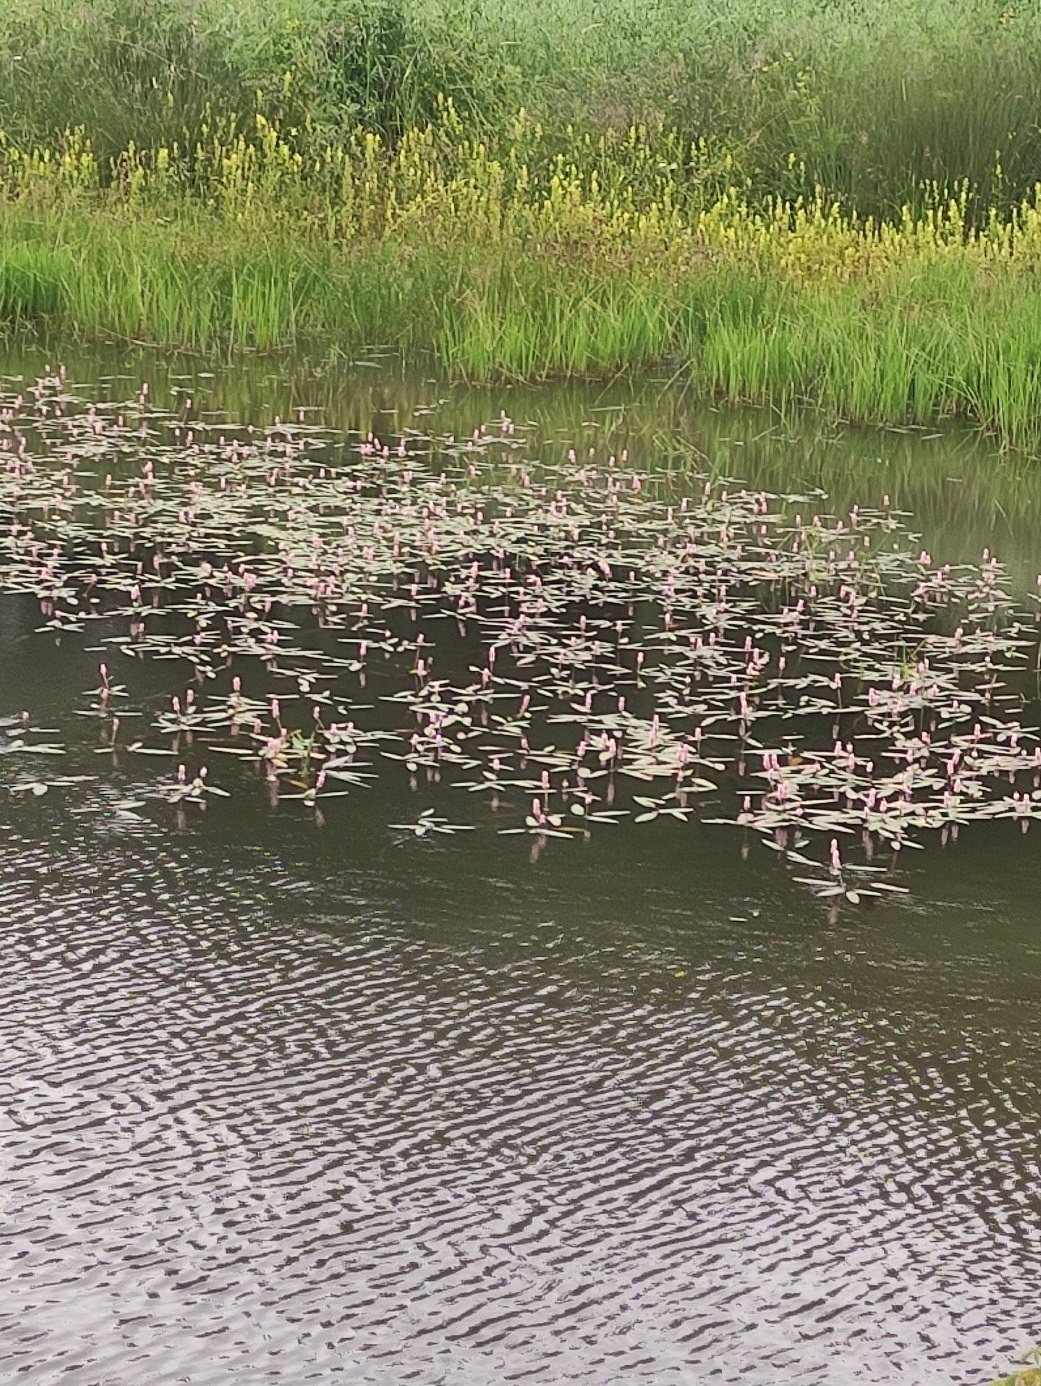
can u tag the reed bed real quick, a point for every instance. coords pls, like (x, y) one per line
(870, 101)
(242, 199)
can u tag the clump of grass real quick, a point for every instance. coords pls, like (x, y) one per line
(522, 260)
(1026, 1376)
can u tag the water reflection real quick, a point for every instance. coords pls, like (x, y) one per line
(276, 1116)
(964, 493)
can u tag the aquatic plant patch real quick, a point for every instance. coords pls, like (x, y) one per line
(546, 649)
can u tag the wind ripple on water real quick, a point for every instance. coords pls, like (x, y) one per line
(269, 1134)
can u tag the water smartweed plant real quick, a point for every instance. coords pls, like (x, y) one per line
(570, 644)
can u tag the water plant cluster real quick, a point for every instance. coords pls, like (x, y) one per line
(558, 645)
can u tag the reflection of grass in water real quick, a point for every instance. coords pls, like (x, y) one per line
(962, 494)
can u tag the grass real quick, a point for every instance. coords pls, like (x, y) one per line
(870, 102)
(816, 206)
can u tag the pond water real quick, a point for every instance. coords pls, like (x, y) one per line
(290, 1094)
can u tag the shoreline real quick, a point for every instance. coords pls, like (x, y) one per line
(515, 263)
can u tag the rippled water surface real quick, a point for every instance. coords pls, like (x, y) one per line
(290, 1104)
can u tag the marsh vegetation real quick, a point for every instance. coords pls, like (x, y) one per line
(575, 641)
(805, 206)
(588, 653)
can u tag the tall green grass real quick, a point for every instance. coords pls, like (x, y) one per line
(912, 341)
(792, 200)
(893, 353)
(870, 101)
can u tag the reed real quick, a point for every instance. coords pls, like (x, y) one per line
(871, 102)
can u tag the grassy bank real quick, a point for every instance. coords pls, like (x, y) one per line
(521, 263)
(196, 175)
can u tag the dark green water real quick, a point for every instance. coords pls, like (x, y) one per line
(283, 1103)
